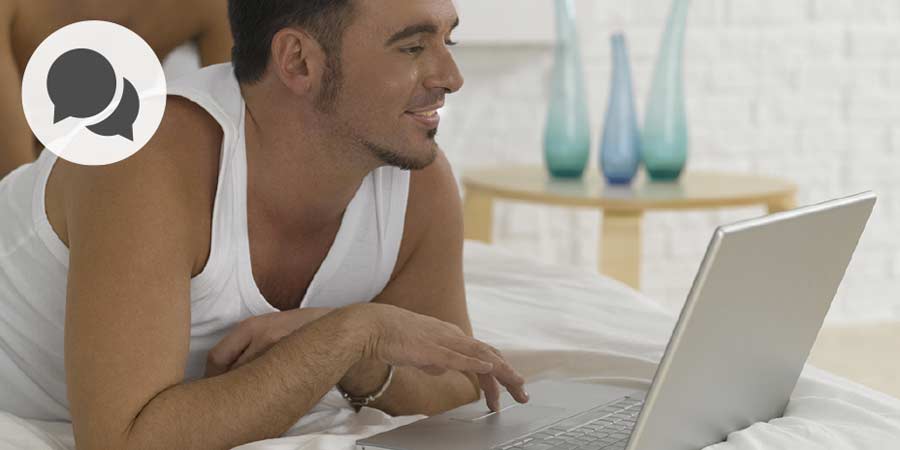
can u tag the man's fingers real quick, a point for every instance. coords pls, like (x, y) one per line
(473, 348)
(223, 355)
(503, 372)
(491, 391)
(494, 350)
(507, 376)
(434, 370)
(252, 351)
(444, 357)
(499, 355)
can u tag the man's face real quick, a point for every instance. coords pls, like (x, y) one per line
(395, 69)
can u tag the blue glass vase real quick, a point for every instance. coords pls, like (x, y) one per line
(567, 136)
(620, 152)
(664, 142)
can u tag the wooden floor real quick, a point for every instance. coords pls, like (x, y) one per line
(865, 354)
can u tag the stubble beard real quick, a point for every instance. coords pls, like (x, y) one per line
(395, 159)
(326, 103)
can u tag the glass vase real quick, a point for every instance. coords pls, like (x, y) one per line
(567, 135)
(620, 153)
(664, 142)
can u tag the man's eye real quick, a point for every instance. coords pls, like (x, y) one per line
(419, 49)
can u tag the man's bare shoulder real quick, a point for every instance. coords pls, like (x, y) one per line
(188, 134)
(175, 175)
(433, 202)
(428, 276)
(182, 152)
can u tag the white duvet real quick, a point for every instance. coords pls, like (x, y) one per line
(562, 323)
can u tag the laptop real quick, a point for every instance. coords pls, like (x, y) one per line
(752, 315)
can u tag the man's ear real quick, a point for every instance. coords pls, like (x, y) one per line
(298, 60)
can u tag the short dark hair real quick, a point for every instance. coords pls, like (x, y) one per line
(255, 22)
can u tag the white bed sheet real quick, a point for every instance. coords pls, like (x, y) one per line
(562, 323)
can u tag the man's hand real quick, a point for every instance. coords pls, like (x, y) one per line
(255, 336)
(404, 338)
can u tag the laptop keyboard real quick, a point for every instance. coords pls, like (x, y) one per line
(606, 427)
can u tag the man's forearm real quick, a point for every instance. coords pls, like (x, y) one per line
(259, 400)
(411, 391)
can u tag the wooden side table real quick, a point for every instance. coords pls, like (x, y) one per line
(623, 207)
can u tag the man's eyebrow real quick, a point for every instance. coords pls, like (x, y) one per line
(413, 30)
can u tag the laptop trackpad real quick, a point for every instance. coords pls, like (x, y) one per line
(511, 415)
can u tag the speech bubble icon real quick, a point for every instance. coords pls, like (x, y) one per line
(122, 119)
(81, 84)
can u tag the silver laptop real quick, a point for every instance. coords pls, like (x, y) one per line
(745, 331)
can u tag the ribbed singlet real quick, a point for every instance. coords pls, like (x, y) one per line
(34, 261)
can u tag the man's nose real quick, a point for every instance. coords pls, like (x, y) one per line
(446, 73)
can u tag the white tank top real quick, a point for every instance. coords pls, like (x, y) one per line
(34, 261)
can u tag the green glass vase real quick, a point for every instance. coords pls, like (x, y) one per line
(567, 135)
(664, 142)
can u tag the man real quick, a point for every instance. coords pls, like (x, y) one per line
(24, 24)
(305, 175)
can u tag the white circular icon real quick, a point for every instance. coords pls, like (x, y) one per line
(94, 92)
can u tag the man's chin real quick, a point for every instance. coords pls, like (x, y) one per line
(432, 155)
(415, 160)
(419, 163)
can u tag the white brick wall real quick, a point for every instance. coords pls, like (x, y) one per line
(805, 89)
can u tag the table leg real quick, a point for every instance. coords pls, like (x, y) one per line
(478, 216)
(785, 203)
(620, 247)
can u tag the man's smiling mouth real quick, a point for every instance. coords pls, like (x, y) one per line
(425, 113)
(429, 118)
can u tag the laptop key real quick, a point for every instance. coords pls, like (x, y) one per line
(593, 446)
(568, 446)
(535, 445)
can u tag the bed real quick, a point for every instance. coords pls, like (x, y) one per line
(563, 323)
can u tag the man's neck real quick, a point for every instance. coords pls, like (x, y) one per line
(300, 176)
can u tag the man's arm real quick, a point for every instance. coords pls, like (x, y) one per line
(17, 146)
(429, 281)
(128, 317)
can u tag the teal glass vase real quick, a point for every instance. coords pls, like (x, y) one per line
(620, 152)
(664, 143)
(567, 135)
